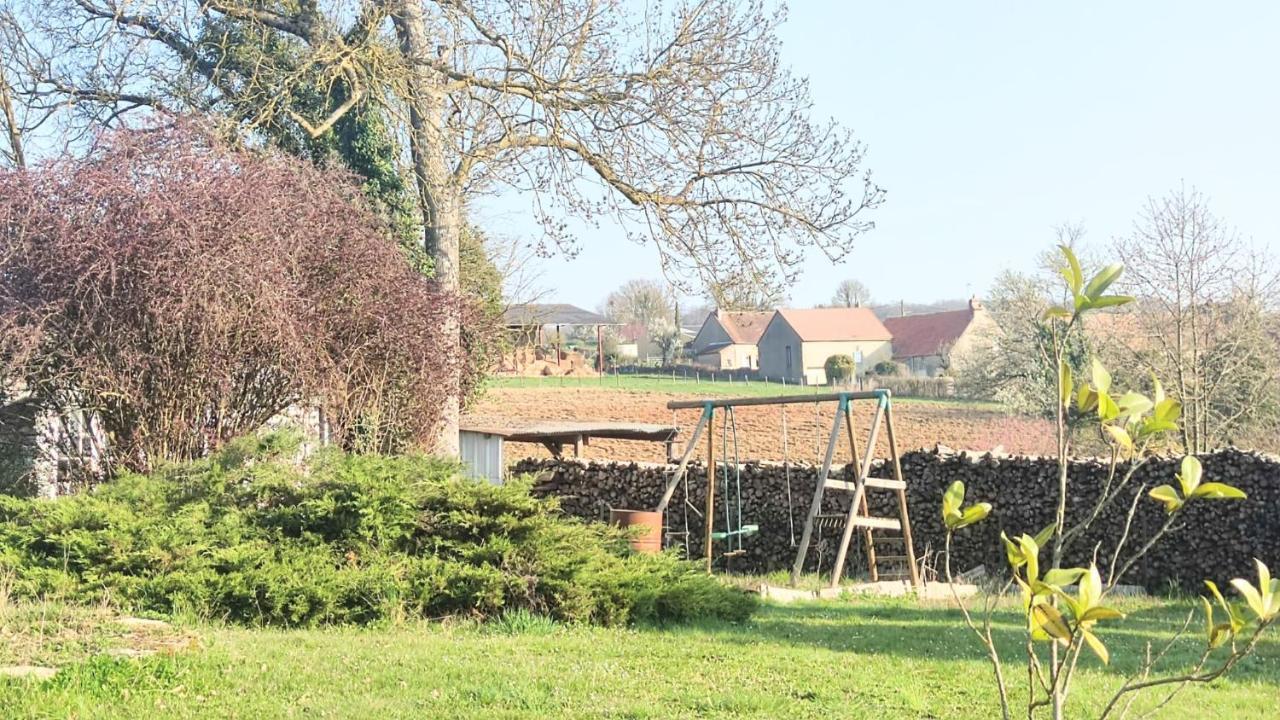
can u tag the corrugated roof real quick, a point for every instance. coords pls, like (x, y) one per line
(928, 334)
(834, 324)
(530, 314)
(744, 327)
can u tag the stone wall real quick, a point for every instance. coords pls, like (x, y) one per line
(1212, 540)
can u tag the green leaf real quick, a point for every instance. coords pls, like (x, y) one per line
(1167, 410)
(951, 501)
(1190, 476)
(1012, 552)
(1100, 612)
(1251, 597)
(1217, 633)
(1096, 646)
(1267, 588)
(1086, 399)
(1134, 404)
(1220, 633)
(1058, 312)
(1120, 437)
(1218, 491)
(974, 513)
(1090, 588)
(1236, 621)
(1102, 281)
(1031, 552)
(1152, 426)
(1157, 390)
(1101, 378)
(1063, 576)
(1047, 618)
(1042, 538)
(1167, 495)
(1107, 301)
(1072, 272)
(1107, 408)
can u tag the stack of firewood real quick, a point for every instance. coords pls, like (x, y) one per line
(1212, 539)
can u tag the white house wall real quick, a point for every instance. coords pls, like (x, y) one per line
(815, 356)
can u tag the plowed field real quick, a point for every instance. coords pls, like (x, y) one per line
(918, 424)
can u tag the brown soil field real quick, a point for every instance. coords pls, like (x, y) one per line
(917, 424)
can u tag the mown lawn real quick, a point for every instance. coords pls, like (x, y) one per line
(846, 659)
(701, 385)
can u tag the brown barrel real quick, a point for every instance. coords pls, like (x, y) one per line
(650, 539)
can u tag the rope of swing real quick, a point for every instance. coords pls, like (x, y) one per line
(730, 531)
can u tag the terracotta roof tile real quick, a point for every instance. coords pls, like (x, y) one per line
(923, 335)
(819, 324)
(744, 327)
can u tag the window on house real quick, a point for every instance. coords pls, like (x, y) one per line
(788, 358)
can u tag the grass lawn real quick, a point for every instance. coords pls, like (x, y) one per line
(697, 386)
(842, 659)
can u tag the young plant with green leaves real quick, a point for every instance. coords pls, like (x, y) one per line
(1065, 606)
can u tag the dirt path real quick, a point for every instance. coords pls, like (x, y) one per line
(918, 424)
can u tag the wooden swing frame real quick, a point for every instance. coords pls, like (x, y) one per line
(858, 515)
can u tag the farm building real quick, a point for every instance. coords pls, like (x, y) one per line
(796, 343)
(527, 324)
(930, 343)
(727, 339)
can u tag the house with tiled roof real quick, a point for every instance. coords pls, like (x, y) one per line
(930, 343)
(728, 338)
(796, 343)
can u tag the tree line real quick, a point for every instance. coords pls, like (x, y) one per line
(684, 127)
(1204, 319)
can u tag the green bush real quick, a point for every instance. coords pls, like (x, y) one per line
(840, 369)
(887, 368)
(248, 537)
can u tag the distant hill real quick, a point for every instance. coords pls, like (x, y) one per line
(899, 309)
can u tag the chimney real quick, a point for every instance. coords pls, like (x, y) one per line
(975, 304)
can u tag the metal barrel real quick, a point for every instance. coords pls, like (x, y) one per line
(648, 540)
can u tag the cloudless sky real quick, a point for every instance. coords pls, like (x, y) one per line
(991, 122)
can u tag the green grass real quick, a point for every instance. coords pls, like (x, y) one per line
(697, 386)
(848, 659)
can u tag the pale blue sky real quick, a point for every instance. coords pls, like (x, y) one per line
(991, 122)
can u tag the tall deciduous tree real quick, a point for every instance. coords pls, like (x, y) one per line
(1205, 309)
(851, 293)
(642, 302)
(678, 121)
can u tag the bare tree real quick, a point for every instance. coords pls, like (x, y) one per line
(738, 293)
(1204, 306)
(851, 293)
(1018, 367)
(679, 122)
(648, 303)
(12, 130)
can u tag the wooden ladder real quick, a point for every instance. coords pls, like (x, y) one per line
(858, 515)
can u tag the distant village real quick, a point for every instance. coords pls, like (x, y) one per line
(784, 344)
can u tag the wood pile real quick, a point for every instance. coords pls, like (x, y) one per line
(1214, 539)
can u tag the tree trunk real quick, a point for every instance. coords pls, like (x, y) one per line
(11, 122)
(438, 193)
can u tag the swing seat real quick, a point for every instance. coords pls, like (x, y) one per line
(744, 531)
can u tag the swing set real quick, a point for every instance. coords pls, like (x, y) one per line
(858, 516)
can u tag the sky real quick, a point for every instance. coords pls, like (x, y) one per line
(990, 123)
